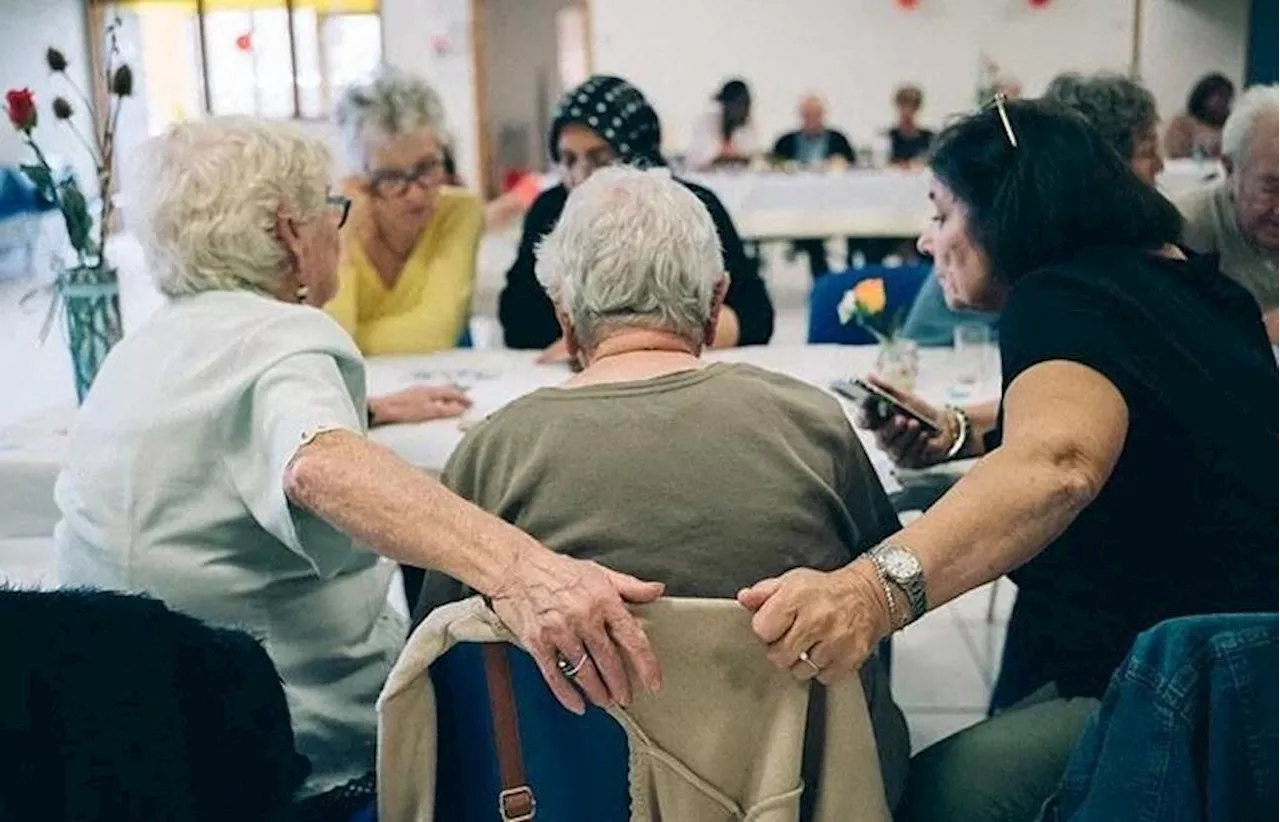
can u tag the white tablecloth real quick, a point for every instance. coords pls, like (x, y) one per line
(854, 203)
(771, 205)
(31, 452)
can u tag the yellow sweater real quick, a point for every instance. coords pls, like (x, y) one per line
(430, 304)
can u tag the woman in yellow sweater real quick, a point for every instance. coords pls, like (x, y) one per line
(409, 253)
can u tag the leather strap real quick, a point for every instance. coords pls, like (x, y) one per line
(515, 797)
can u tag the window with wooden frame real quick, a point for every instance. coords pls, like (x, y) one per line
(269, 58)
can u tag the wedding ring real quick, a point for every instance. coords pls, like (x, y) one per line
(572, 669)
(804, 657)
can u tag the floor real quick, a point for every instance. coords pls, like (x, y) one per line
(943, 666)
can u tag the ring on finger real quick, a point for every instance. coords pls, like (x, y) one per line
(571, 669)
(807, 660)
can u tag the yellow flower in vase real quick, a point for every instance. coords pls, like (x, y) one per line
(865, 304)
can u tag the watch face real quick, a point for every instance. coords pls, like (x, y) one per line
(900, 564)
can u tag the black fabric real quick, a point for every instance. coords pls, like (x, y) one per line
(903, 148)
(113, 707)
(528, 317)
(788, 146)
(618, 112)
(1187, 523)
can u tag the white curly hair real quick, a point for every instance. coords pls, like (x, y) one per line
(388, 103)
(205, 198)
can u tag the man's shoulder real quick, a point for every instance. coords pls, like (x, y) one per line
(788, 395)
(1199, 218)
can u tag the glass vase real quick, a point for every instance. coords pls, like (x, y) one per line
(898, 362)
(91, 305)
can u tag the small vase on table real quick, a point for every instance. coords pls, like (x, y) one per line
(91, 302)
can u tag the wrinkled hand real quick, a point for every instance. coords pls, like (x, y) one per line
(837, 616)
(901, 437)
(557, 352)
(556, 605)
(419, 404)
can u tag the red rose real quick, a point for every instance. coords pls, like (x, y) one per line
(22, 108)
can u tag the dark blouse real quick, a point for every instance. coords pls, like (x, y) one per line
(903, 149)
(1187, 523)
(528, 317)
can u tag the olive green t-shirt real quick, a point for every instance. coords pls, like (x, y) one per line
(708, 480)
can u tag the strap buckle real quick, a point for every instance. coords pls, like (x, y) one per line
(517, 804)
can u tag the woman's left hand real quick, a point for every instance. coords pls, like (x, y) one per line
(418, 404)
(835, 617)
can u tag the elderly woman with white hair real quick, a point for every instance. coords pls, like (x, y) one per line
(409, 256)
(704, 476)
(220, 461)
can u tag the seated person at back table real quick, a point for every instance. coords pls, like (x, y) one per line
(1197, 132)
(725, 135)
(701, 476)
(585, 137)
(409, 253)
(814, 146)
(908, 143)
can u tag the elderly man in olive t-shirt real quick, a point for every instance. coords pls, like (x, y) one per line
(706, 477)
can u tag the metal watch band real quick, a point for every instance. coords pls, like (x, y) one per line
(913, 586)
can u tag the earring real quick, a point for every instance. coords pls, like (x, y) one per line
(303, 292)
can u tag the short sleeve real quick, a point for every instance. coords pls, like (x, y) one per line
(287, 405)
(1059, 315)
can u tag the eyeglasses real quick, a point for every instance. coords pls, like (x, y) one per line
(394, 182)
(998, 101)
(340, 202)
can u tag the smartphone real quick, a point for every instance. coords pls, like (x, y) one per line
(881, 403)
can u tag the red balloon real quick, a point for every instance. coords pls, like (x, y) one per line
(1038, 4)
(908, 4)
(245, 42)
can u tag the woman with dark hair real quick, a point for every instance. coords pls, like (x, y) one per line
(908, 142)
(725, 135)
(1197, 132)
(607, 120)
(1131, 477)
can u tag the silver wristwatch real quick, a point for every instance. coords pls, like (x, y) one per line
(899, 566)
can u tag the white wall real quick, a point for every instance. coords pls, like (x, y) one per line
(27, 28)
(522, 72)
(1185, 39)
(856, 51)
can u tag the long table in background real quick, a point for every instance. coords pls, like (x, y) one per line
(32, 451)
(861, 203)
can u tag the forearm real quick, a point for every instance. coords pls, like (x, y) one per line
(377, 499)
(1006, 510)
(728, 331)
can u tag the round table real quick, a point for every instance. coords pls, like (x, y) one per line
(32, 451)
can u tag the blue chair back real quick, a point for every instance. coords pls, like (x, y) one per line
(901, 285)
(464, 339)
(576, 765)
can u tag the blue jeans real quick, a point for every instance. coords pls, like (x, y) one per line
(1187, 729)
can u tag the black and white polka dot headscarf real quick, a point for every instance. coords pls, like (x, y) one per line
(618, 112)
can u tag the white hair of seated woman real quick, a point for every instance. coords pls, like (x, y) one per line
(632, 249)
(203, 229)
(388, 103)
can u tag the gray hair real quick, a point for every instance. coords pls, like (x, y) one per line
(388, 103)
(1121, 110)
(632, 249)
(1250, 108)
(206, 196)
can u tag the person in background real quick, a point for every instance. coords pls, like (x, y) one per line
(725, 135)
(712, 475)
(1124, 113)
(814, 146)
(1197, 132)
(605, 121)
(1132, 476)
(221, 461)
(409, 255)
(908, 142)
(1236, 217)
